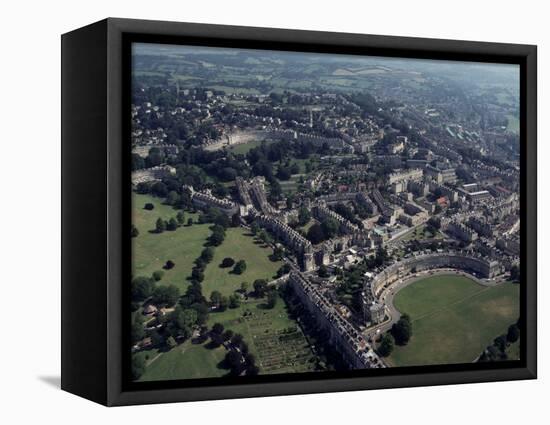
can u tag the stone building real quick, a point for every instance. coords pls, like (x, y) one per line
(290, 238)
(205, 200)
(352, 346)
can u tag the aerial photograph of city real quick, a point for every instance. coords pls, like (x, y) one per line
(307, 212)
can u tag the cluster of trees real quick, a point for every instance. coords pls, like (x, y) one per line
(326, 229)
(154, 158)
(285, 172)
(304, 215)
(380, 258)
(221, 302)
(347, 213)
(497, 350)
(217, 236)
(402, 330)
(240, 267)
(238, 358)
(144, 288)
(284, 269)
(260, 233)
(387, 343)
(172, 224)
(323, 271)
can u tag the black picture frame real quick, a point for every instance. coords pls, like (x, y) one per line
(96, 190)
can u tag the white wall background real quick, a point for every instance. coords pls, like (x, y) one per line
(30, 209)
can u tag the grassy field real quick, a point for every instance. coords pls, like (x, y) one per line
(186, 361)
(422, 232)
(239, 244)
(244, 148)
(453, 319)
(272, 336)
(291, 186)
(151, 250)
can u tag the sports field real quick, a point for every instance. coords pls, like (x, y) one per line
(152, 250)
(239, 244)
(453, 319)
(272, 336)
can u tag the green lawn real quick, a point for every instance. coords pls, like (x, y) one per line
(186, 361)
(243, 148)
(239, 245)
(453, 318)
(151, 250)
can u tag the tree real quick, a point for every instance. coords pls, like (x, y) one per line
(244, 287)
(234, 301)
(315, 234)
(137, 162)
(304, 215)
(197, 274)
(181, 218)
(169, 265)
(160, 225)
(235, 220)
(284, 269)
(227, 335)
(142, 288)
(271, 299)
(216, 298)
(134, 233)
(217, 236)
(402, 330)
(138, 366)
(323, 271)
(278, 254)
(500, 342)
(172, 224)
(217, 328)
(240, 267)
(386, 345)
(224, 303)
(264, 236)
(190, 221)
(138, 333)
(172, 198)
(237, 340)
(234, 361)
(227, 262)
(513, 334)
(158, 275)
(181, 322)
(149, 206)
(330, 227)
(166, 295)
(260, 287)
(255, 228)
(207, 254)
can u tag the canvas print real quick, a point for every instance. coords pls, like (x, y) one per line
(298, 213)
